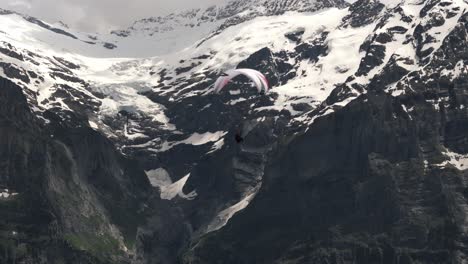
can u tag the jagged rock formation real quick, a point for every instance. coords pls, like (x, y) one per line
(357, 155)
(72, 197)
(360, 185)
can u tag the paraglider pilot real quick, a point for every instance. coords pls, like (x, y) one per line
(238, 137)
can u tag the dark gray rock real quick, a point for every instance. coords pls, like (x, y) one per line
(11, 51)
(353, 188)
(363, 12)
(314, 49)
(391, 73)
(72, 184)
(374, 57)
(296, 35)
(110, 46)
(263, 60)
(13, 72)
(46, 26)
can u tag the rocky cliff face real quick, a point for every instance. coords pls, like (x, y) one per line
(358, 154)
(381, 180)
(366, 184)
(69, 195)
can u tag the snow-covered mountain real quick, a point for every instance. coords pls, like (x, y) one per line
(342, 159)
(172, 32)
(106, 87)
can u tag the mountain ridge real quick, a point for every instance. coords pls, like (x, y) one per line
(362, 138)
(229, 14)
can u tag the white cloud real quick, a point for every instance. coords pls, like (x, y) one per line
(20, 4)
(100, 15)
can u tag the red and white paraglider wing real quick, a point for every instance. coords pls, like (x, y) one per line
(265, 82)
(220, 83)
(252, 75)
(261, 81)
(256, 77)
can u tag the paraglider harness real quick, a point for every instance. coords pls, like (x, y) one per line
(238, 137)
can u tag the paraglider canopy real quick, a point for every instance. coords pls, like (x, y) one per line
(255, 76)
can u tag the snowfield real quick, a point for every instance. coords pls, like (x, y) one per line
(115, 82)
(122, 77)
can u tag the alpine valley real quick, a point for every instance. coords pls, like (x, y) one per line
(114, 148)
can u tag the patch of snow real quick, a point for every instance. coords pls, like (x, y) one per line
(345, 102)
(233, 102)
(217, 145)
(234, 92)
(407, 112)
(159, 177)
(223, 217)
(93, 125)
(460, 161)
(201, 139)
(5, 193)
(134, 135)
(169, 192)
(195, 139)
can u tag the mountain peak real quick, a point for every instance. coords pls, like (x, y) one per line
(223, 16)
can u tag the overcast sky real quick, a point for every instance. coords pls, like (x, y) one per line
(100, 15)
